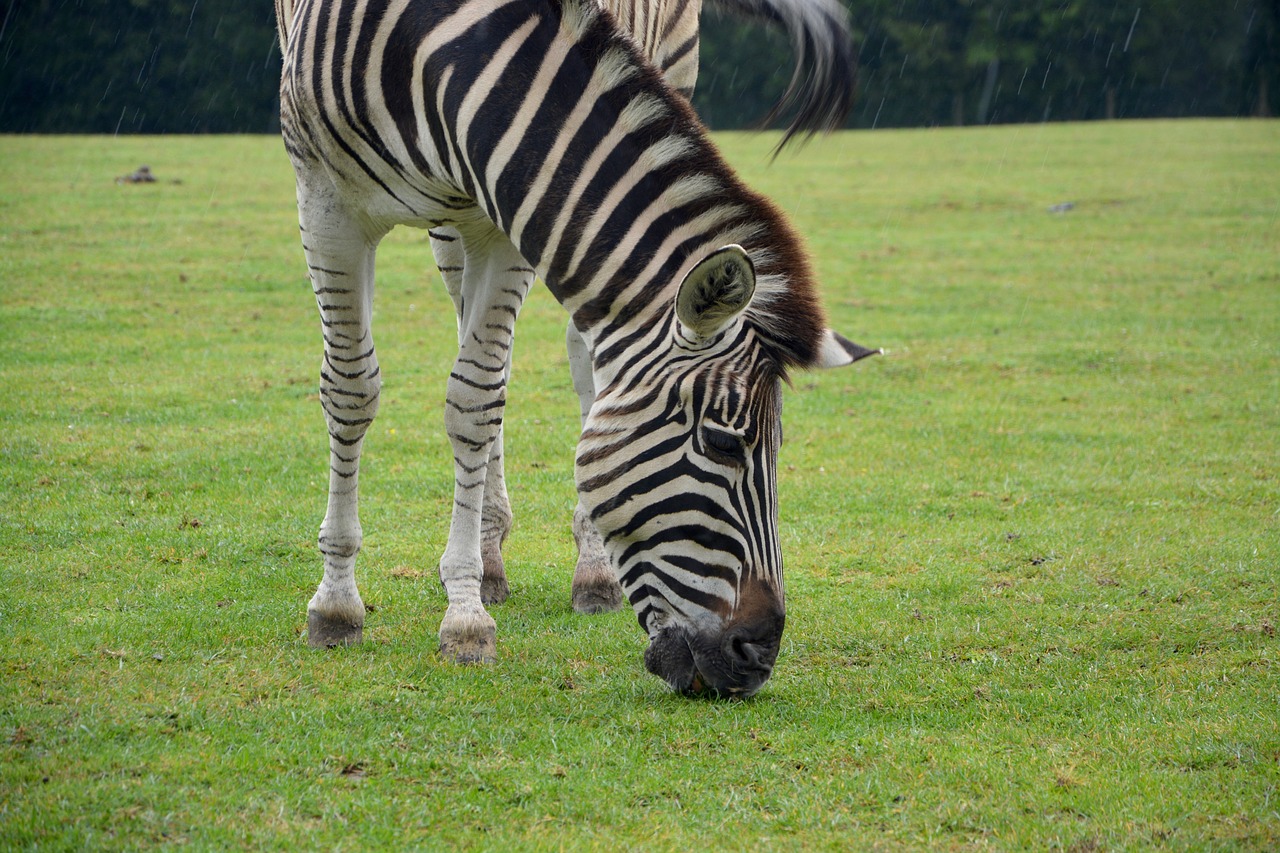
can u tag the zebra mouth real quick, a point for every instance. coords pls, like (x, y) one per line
(732, 665)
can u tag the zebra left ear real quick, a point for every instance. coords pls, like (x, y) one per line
(715, 292)
(836, 351)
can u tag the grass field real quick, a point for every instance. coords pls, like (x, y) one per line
(1032, 552)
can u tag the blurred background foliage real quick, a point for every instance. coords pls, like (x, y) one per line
(212, 66)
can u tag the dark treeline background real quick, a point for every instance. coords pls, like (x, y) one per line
(212, 66)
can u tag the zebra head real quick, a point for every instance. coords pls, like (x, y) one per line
(677, 467)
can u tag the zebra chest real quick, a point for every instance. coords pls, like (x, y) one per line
(389, 192)
(380, 176)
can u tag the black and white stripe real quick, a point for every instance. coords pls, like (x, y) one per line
(535, 129)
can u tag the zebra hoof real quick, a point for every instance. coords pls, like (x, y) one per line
(469, 652)
(328, 632)
(468, 637)
(603, 596)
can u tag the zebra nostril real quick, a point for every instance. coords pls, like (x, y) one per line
(747, 654)
(741, 650)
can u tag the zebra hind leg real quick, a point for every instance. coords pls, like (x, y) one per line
(496, 518)
(595, 588)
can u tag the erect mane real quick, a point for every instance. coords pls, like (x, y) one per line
(786, 307)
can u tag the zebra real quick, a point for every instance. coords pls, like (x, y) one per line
(667, 33)
(535, 129)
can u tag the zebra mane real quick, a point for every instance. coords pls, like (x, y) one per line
(785, 309)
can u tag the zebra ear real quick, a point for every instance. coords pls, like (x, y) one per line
(836, 351)
(715, 292)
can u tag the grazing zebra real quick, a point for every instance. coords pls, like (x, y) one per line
(535, 129)
(821, 92)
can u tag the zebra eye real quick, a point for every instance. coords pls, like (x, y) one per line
(723, 443)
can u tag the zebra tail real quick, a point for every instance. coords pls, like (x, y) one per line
(822, 88)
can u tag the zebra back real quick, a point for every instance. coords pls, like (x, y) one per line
(823, 85)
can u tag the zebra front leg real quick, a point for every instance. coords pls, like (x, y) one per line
(595, 588)
(340, 257)
(495, 282)
(446, 245)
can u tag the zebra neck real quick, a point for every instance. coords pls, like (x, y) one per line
(546, 115)
(599, 173)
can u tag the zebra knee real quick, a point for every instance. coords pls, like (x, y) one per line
(349, 405)
(339, 546)
(473, 420)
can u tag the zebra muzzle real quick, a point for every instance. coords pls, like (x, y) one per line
(734, 663)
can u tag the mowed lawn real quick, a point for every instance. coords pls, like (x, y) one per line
(1032, 552)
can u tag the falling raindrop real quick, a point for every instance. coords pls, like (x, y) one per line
(5, 24)
(1129, 37)
(875, 121)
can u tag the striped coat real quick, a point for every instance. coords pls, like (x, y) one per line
(537, 139)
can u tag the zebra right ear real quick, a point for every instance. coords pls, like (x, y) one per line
(715, 292)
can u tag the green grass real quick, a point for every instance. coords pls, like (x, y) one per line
(1032, 553)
